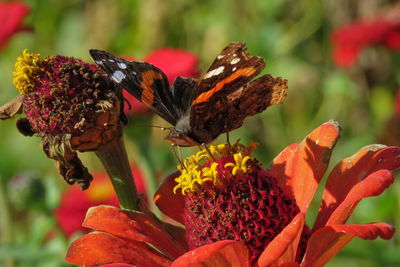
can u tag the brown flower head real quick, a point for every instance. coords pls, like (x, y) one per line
(70, 104)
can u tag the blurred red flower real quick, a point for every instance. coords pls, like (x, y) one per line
(173, 62)
(350, 39)
(75, 202)
(11, 17)
(122, 238)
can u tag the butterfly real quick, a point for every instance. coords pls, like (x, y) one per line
(200, 110)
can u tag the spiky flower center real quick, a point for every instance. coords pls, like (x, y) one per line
(229, 196)
(63, 95)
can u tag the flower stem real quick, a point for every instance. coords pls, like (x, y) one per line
(115, 161)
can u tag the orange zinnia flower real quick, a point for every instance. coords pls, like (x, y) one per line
(239, 214)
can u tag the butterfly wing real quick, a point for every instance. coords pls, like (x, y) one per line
(231, 69)
(228, 112)
(226, 95)
(143, 80)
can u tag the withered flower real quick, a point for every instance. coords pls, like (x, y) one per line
(72, 106)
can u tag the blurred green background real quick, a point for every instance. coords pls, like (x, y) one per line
(295, 39)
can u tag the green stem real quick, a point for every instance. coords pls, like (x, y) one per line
(115, 161)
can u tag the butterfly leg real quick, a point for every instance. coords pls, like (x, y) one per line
(208, 151)
(227, 139)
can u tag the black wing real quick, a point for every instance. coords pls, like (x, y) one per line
(143, 80)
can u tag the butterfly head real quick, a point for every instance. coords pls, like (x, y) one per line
(180, 134)
(180, 138)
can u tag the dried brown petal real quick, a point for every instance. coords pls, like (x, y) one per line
(68, 163)
(10, 109)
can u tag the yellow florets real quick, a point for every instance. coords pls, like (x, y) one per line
(26, 67)
(194, 174)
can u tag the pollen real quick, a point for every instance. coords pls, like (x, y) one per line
(27, 66)
(209, 166)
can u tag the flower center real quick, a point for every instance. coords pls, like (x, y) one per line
(229, 196)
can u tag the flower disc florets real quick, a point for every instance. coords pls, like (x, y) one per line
(62, 94)
(229, 196)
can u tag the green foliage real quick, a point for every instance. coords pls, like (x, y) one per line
(293, 36)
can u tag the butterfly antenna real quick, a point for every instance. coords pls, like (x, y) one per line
(178, 157)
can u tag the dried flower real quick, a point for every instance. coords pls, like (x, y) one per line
(70, 104)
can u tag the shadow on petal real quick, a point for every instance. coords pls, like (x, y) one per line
(169, 203)
(300, 167)
(101, 248)
(371, 186)
(283, 247)
(132, 225)
(222, 253)
(325, 243)
(351, 171)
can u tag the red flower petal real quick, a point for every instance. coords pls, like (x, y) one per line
(221, 253)
(169, 203)
(133, 105)
(299, 168)
(352, 170)
(373, 185)
(11, 16)
(75, 202)
(328, 241)
(101, 248)
(350, 39)
(283, 248)
(134, 226)
(174, 62)
(118, 265)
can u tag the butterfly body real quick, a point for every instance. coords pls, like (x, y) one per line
(200, 110)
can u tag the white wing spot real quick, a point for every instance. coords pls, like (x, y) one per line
(220, 56)
(99, 62)
(122, 65)
(234, 68)
(134, 73)
(214, 72)
(111, 60)
(118, 76)
(235, 60)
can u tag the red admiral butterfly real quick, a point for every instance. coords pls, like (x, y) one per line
(200, 110)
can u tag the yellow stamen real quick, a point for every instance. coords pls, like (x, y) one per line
(26, 67)
(194, 174)
(240, 164)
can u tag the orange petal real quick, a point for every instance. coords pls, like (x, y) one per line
(169, 203)
(352, 170)
(222, 253)
(325, 243)
(282, 249)
(371, 186)
(300, 167)
(134, 226)
(118, 265)
(102, 248)
(290, 264)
